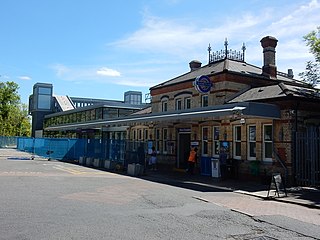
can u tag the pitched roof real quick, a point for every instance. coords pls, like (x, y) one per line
(226, 65)
(275, 91)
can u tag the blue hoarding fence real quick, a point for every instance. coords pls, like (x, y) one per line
(117, 151)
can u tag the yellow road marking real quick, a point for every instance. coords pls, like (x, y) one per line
(74, 171)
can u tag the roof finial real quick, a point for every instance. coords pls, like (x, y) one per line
(243, 50)
(226, 47)
(209, 50)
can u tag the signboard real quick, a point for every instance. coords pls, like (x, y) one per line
(194, 144)
(277, 184)
(184, 130)
(203, 84)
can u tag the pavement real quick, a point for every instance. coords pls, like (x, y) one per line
(303, 196)
(299, 211)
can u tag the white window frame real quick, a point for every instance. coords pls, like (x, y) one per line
(145, 133)
(205, 141)
(267, 141)
(251, 141)
(186, 100)
(165, 140)
(140, 137)
(202, 100)
(216, 141)
(178, 103)
(164, 105)
(236, 141)
(158, 139)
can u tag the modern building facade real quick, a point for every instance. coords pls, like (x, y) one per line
(265, 120)
(47, 110)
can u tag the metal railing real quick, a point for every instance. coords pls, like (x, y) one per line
(8, 142)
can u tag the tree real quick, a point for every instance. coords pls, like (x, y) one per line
(14, 119)
(313, 42)
(312, 73)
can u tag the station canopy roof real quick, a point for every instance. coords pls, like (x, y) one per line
(217, 112)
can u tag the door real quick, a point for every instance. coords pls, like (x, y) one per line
(184, 142)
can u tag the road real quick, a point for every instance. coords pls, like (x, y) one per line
(54, 200)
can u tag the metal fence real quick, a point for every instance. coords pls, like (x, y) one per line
(119, 151)
(8, 142)
(307, 164)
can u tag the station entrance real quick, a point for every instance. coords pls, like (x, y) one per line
(183, 149)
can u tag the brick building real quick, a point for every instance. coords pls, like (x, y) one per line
(266, 120)
(256, 113)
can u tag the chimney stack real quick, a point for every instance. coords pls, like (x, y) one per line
(194, 65)
(269, 68)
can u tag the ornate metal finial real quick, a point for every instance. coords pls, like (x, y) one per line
(226, 53)
(243, 50)
(209, 50)
(226, 47)
(243, 47)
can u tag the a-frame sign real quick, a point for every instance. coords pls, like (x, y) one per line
(278, 185)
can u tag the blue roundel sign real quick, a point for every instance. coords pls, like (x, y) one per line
(203, 84)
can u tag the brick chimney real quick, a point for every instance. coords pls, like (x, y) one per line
(194, 65)
(269, 68)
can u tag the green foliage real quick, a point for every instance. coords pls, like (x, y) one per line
(313, 42)
(14, 119)
(312, 73)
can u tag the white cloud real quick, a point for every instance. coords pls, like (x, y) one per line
(60, 69)
(183, 42)
(165, 46)
(84, 73)
(24, 78)
(5, 77)
(175, 38)
(299, 22)
(108, 72)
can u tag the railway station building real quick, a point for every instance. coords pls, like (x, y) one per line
(266, 121)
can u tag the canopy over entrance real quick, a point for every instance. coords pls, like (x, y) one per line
(243, 110)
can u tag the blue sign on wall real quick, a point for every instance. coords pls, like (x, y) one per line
(203, 84)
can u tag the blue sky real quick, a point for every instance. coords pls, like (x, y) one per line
(100, 48)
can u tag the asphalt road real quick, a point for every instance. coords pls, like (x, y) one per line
(54, 200)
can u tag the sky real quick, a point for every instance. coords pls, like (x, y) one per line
(101, 48)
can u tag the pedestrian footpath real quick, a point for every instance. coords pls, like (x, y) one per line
(304, 196)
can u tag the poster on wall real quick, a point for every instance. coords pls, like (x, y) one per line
(226, 146)
(194, 144)
(150, 145)
(171, 147)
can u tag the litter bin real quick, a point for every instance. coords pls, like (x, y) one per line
(215, 168)
(88, 161)
(134, 169)
(81, 160)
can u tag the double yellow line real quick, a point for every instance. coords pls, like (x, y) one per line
(69, 170)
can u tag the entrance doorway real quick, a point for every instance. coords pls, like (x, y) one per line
(184, 142)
